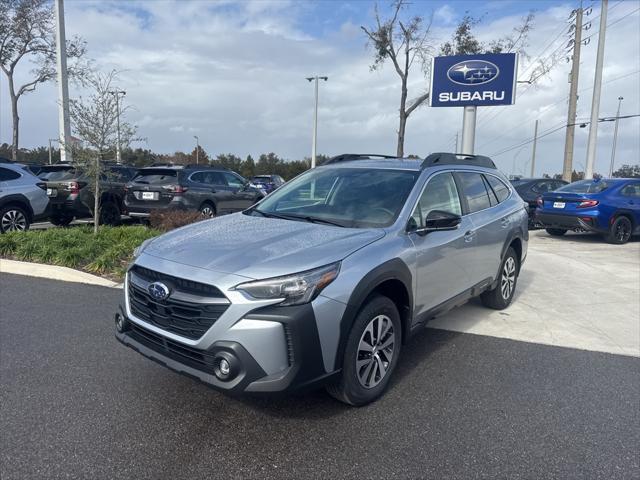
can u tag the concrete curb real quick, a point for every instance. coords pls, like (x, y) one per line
(53, 272)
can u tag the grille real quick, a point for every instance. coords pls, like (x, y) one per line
(198, 359)
(190, 319)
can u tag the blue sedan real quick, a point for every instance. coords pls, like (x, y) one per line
(610, 207)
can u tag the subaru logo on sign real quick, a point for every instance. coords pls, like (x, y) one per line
(159, 291)
(473, 72)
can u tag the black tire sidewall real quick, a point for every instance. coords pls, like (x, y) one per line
(18, 209)
(104, 219)
(612, 231)
(351, 388)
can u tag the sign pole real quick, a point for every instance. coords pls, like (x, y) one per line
(468, 129)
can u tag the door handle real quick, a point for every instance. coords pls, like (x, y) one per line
(469, 236)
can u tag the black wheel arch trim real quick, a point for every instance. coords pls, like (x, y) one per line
(394, 269)
(19, 200)
(627, 213)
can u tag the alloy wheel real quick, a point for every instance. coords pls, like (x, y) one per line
(622, 232)
(508, 280)
(207, 211)
(375, 351)
(13, 220)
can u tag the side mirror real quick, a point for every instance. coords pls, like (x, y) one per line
(438, 220)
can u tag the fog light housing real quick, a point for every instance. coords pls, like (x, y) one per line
(225, 366)
(121, 323)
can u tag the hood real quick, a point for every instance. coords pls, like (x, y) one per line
(258, 247)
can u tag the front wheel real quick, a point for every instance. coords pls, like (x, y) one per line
(501, 296)
(371, 354)
(620, 231)
(13, 219)
(109, 214)
(556, 232)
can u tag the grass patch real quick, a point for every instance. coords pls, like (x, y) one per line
(108, 253)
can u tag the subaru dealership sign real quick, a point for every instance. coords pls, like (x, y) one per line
(480, 80)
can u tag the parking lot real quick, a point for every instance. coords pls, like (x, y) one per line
(555, 397)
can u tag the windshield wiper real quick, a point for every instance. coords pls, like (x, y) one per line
(306, 218)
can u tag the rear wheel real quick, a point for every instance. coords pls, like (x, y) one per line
(207, 210)
(371, 354)
(61, 219)
(13, 219)
(556, 232)
(620, 231)
(109, 213)
(501, 296)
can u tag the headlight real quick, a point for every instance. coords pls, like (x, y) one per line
(140, 248)
(294, 289)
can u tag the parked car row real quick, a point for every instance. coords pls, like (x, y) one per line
(62, 193)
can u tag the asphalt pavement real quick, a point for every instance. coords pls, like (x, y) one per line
(77, 404)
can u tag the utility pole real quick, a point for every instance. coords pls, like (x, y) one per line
(533, 154)
(567, 167)
(469, 129)
(197, 149)
(51, 150)
(592, 146)
(615, 139)
(117, 94)
(314, 142)
(64, 126)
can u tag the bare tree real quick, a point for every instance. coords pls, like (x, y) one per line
(27, 31)
(95, 122)
(403, 41)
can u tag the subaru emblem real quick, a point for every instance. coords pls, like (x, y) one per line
(473, 72)
(158, 291)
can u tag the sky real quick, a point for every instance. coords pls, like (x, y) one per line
(233, 73)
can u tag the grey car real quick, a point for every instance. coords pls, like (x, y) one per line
(324, 280)
(23, 198)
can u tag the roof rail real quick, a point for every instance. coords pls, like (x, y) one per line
(445, 158)
(346, 157)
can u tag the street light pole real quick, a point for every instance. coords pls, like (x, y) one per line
(197, 149)
(64, 125)
(533, 154)
(315, 120)
(117, 94)
(615, 138)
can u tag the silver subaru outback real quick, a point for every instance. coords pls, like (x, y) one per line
(324, 280)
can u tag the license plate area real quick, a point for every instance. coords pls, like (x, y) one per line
(52, 192)
(559, 204)
(149, 195)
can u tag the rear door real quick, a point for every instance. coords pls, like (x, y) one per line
(442, 258)
(490, 227)
(630, 194)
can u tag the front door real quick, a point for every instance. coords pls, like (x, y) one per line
(442, 258)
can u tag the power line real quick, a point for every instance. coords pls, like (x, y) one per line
(547, 108)
(612, 23)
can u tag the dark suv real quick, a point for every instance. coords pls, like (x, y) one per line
(531, 188)
(71, 197)
(210, 190)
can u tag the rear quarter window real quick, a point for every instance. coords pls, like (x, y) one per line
(474, 190)
(7, 174)
(499, 188)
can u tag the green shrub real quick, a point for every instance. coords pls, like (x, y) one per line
(107, 253)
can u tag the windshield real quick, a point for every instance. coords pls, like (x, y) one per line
(262, 178)
(584, 186)
(348, 197)
(156, 177)
(56, 174)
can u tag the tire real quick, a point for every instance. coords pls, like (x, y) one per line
(61, 219)
(620, 231)
(365, 375)
(501, 296)
(556, 232)
(109, 213)
(14, 219)
(207, 210)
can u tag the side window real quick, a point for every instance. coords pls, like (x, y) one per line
(631, 190)
(439, 194)
(499, 188)
(493, 199)
(233, 181)
(6, 174)
(557, 185)
(473, 187)
(198, 177)
(543, 187)
(216, 178)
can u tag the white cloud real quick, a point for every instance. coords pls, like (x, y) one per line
(234, 73)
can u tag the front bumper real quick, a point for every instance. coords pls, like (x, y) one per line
(576, 223)
(304, 367)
